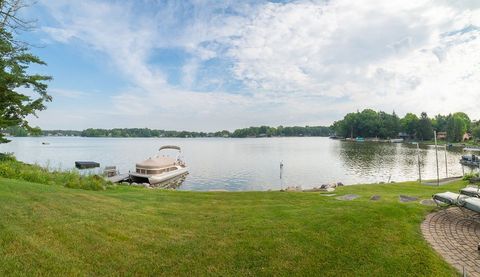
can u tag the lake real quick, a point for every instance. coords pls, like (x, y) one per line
(251, 163)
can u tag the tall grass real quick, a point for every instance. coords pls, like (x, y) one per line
(13, 169)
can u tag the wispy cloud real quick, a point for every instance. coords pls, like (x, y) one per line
(295, 62)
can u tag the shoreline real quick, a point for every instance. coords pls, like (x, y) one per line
(288, 186)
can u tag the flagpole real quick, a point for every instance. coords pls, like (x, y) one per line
(436, 157)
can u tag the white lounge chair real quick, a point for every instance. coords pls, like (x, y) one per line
(471, 191)
(449, 198)
(472, 203)
(461, 201)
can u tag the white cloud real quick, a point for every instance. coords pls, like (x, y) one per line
(301, 62)
(61, 35)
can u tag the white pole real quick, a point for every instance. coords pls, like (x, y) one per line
(446, 161)
(436, 157)
(281, 173)
(418, 159)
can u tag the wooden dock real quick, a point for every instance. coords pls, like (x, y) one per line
(118, 178)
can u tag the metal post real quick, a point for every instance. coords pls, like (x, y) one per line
(446, 162)
(436, 157)
(419, 168)
(281, 173)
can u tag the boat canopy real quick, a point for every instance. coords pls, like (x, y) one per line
(170, 147)
(157, 162)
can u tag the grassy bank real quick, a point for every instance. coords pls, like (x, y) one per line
(53, 230)
(13, 169)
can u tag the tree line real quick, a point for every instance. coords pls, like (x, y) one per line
(369, 123)
(280, 131)
(262, 131)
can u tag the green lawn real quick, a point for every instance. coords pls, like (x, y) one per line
(52, 230)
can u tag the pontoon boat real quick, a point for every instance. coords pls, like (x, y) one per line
(160, 168)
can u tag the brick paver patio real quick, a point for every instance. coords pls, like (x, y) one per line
(453, 234)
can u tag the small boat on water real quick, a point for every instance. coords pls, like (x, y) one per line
(398, 140)
(160, 168)
(470, 160)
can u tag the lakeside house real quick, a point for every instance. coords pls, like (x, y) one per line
(466, 136)
(442, 135)
(403, 136)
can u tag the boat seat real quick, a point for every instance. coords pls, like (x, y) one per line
(449, 198)
(471, 191)
(472, 203)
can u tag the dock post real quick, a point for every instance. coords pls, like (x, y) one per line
(281, 173)
(446, 162)
(436, 157)
(418, 160)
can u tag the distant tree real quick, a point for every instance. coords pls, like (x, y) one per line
(424, 128)
(368, 123)
(389, 125)
(348, 127)
(15, 61)
(409, 124)
(17, 131)
(456, 127)
(465, 119)
(439, 123)
(476, 132)
(271, 132)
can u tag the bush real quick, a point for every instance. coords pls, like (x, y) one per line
(6, 157)
(469, 176)
(13, 169)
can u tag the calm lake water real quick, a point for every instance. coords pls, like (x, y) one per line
(249, 164)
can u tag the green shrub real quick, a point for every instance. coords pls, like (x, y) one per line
(6, 157)
(469, 176)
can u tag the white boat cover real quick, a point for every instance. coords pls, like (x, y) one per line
(157, 162)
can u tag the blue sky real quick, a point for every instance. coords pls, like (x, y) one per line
(211, 65)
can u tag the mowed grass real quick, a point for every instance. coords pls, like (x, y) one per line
(52, 230)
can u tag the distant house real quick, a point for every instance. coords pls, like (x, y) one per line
(442, 135)
(466, 136)
(403, 135)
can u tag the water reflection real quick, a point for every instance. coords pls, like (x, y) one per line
(383, 162)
